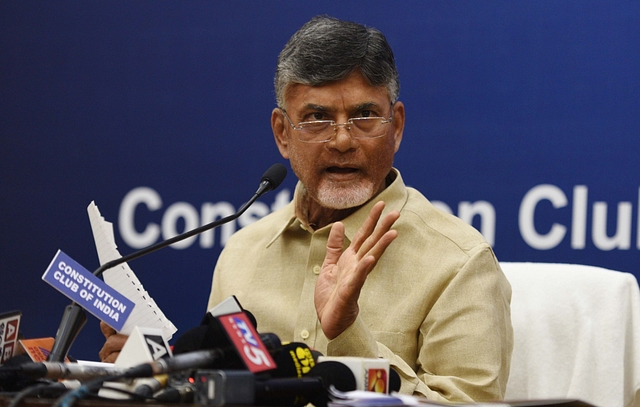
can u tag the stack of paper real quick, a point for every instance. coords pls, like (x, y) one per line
(145, 313)
(359, 398)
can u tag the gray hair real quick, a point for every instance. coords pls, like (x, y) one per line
(327, 49)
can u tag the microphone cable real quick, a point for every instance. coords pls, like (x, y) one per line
(56, 389)
(89, 388)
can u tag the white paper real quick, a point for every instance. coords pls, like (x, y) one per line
(146, 312)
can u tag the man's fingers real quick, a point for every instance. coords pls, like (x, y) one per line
(381, 245)
(111, 358)
(362, 272)
(112, 347)
(368, 226)
(383, 227)
(334, 244)
(107, 331)
(345, 271)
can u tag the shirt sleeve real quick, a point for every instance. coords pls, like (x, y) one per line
(465, 340)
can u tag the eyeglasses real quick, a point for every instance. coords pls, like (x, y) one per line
(322, 131)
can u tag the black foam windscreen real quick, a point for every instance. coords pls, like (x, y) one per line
(311, 388)
(209, 335)
(394, 380)
(294, 359)
(336, 374)
(252, 318)
(192, 340)
(271, 341)
(275, 175)
(10, 379)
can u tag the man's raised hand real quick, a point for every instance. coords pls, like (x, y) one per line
(343, 273)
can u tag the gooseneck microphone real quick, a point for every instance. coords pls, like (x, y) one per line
(74, 316)
(271, 179)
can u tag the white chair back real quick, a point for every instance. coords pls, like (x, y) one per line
(576, 334)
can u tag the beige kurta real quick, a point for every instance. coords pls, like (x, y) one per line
(436, 304)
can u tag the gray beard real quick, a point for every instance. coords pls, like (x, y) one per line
(344, 198)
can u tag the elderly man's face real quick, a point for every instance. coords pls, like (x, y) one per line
(344, 172)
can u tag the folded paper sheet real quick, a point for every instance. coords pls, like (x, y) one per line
(146, 313)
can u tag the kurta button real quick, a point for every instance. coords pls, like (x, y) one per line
(304, 334)
(316, 269)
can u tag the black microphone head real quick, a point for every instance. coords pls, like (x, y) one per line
(271, 341)
(12, 378)
(316, 354)
(294, 359)
(208, 335)
(251, 317)
(194, 339)
(274, 175)
(334, 373)
(394, 381)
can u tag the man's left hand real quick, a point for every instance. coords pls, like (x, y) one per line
(343, 273)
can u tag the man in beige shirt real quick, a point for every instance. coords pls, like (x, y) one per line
(359, 264)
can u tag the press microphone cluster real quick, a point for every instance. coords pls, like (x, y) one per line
(299, 378)
(238, 387)
(288, 385)
(295, 379)
(74, 317)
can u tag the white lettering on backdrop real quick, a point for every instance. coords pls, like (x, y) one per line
(185, 216)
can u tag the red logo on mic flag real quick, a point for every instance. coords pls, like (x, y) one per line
(377, 380)
(9, 326)
(11, 332)
(247, 342)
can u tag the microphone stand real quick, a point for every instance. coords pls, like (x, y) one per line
(74, 317)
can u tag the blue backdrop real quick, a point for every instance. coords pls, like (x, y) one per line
(522, 118)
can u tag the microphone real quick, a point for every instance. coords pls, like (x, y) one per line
(335, 374)
(146, 387)
(372, 374)
(296, 381)
(294, 359)
(10, 378)
(291, 360)
(223, 387)
(185, 361)
(235, 333)
(394, 381)
(300, 379)
(72, 371)
(271, 179)
(74, 316)
(183, 394)
(310, 388)
(73, 320)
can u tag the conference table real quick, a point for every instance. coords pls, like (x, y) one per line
(5, 400)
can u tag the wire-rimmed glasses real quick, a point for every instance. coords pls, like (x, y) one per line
(322, 131)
